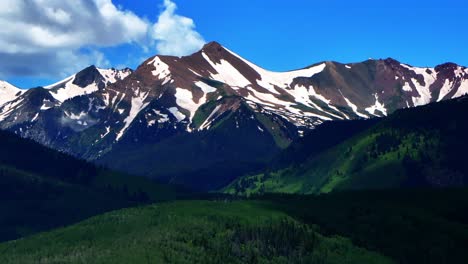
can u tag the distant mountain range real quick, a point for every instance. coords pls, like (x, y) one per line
(204, 119)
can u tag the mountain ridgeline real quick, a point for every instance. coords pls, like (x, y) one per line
(202, 120)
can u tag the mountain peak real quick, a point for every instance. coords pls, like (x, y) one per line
(391, 61)
(87, 76)
(212, 46)
(448, 66)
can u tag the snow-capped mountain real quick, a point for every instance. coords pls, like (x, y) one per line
(304, 98)
(8, 92)
(85, 82)
(24, 107)
(178, 116)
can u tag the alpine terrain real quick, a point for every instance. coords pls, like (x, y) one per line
(205, 119)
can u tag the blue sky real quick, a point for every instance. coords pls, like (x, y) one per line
(284, 35)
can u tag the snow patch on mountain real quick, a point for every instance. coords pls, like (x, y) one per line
(462, 89)
(8, 107)
(184, 98)
(269, 79)
(176, 113)
(66, 89)
(164, 118)
(207, 123)
(322, 98)
(161, 71)
(422, 89)
(353, 107)
(407, 88)
(194, 72)
(108, 130)
(61, 82)
(35, 117)
(302, 96)
(106, 99)
(377, 107)
(77, 122)
(299, 112)
(446, 89)
(459, 72)
(75, 116)
(205, 87)
(113, 75)
(71, 90)
(8, 92)
(137, 104)
(266, 98)
(45, 107)
(226, 73)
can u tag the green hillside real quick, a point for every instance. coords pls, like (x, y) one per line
(42, 188)
(418, 147)
(188, 232)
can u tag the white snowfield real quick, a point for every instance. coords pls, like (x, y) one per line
(275, 83)
(422, 88)
(184, 98)
(176, 113)
(71, 90)
(137, 104)
(227, 73)
(354, 107)
(65, 89)
(377, 107)
(284, 94)
(113, 75)
(9, 92)
(269, 79)
(161, 71)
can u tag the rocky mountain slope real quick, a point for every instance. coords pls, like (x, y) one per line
(213, 110)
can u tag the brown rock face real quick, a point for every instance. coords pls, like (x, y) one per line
(180, 94)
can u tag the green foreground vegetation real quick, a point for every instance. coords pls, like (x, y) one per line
(384, 226)
(188, 232)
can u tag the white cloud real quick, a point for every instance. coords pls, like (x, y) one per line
(175, 34)
(57, 37)
(54, 38)
(40, 24)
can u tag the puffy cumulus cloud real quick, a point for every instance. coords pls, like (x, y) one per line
(54, 38)
(32, 25)
(175, 34)
(47, 37)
